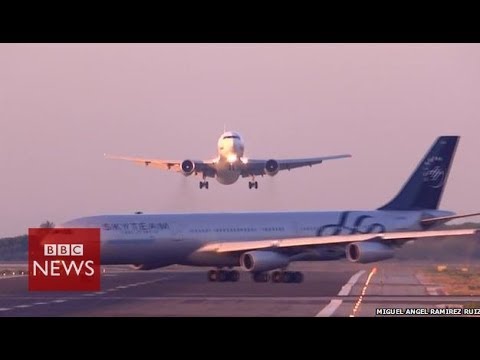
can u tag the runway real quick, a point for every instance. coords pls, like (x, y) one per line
(336, 288)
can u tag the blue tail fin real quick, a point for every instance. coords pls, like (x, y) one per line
(425, 187)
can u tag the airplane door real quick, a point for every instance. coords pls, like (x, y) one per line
(296, 228)
(178, 232)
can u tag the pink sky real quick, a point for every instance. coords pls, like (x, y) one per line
(63, 105)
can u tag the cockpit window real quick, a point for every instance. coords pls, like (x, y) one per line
(232, 137)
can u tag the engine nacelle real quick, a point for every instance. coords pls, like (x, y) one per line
(272, 167)
(365, 252)
(263, 261)
(188, 167)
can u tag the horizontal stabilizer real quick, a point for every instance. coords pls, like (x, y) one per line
(444, 219)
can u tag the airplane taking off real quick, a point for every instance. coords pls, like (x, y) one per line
(230, 163)
(270, 241)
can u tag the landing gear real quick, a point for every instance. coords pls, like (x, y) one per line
(223, 275)
(253, 184)
(204, 184)
(261, 277)
(287, 277)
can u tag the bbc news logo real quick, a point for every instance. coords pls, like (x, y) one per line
(65, 259)
(54, 267)
(63, 249)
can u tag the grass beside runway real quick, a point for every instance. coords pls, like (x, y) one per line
(455, 280)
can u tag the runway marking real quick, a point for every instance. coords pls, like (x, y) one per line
(344, 291)
(221, 298)
(348, 286)
(434, 291)
(11, 276)
(122, 287)
(22, 306)
(364, 291)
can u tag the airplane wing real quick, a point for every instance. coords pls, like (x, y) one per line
(259, 167)
(224, 247)
(201, 167)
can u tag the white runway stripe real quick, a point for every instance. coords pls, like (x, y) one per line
(334, 304)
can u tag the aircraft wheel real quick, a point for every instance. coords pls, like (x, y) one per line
(297, 277)
(261, 277)
(287, 277)
(234, 275)
(212, 275)
(277, 276)
(222, 275)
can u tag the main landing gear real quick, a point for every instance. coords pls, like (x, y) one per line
(253, 184)
(223, 275)
(262, 277)
(279, 277)
(204, 184)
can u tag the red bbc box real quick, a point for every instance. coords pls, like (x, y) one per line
(65, 259)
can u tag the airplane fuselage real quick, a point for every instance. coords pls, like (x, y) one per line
(161, 240)
(230, 159)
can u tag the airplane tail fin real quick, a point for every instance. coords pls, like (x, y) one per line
(425, 187)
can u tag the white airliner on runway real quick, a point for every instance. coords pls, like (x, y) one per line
(265, 241)
(230, 163)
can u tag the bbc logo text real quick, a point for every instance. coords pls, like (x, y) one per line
(63, 250)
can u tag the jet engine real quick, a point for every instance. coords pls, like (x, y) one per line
(257, 261)
(272, 167)
(188, 167)
(365, 252)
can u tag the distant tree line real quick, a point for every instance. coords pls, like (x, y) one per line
(14, 248)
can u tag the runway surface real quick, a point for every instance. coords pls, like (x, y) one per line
(336, 288)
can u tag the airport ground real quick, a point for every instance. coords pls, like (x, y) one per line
(334, 288)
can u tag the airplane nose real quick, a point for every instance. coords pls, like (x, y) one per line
(238, 146)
